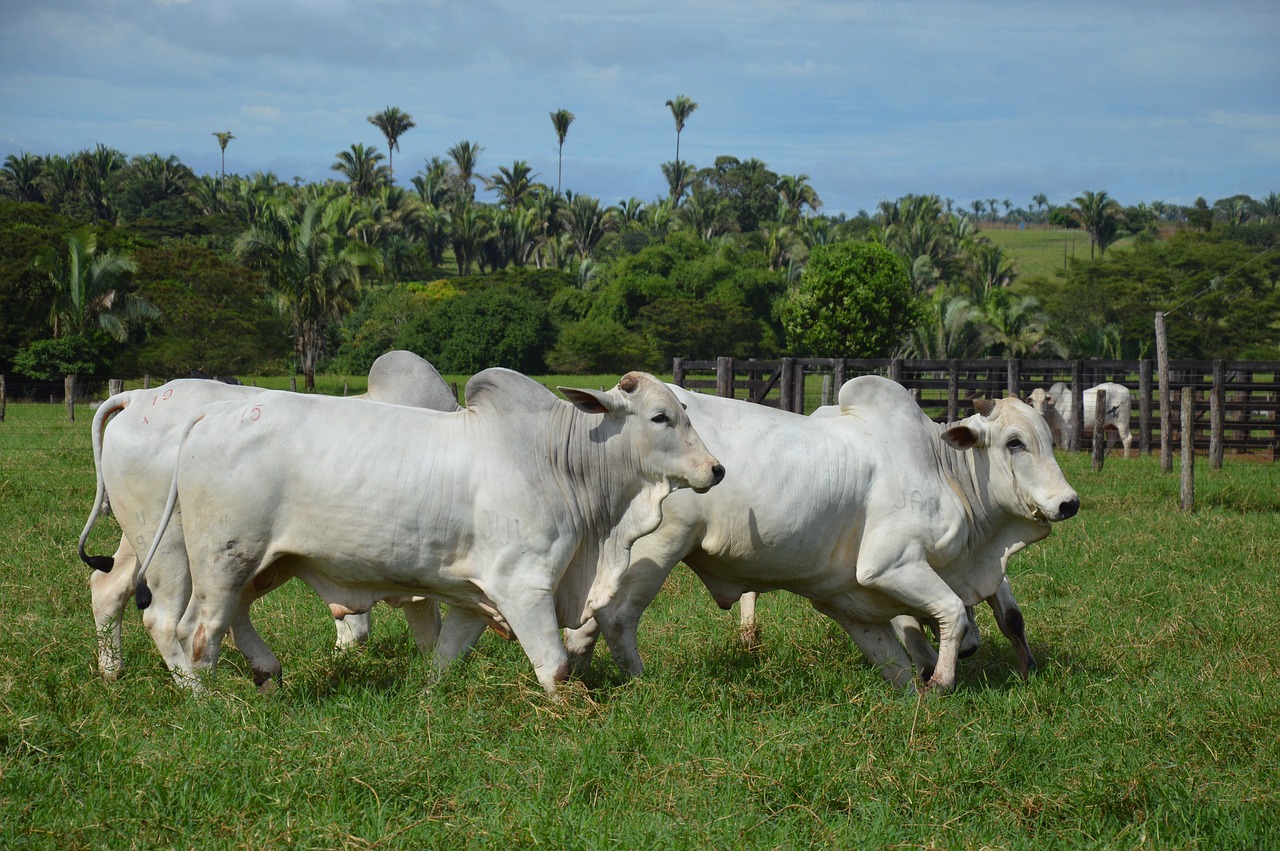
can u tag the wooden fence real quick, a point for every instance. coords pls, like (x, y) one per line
(1241, 397)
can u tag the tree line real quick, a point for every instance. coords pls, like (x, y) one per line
(131, 264)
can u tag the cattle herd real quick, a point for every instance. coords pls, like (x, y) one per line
(553, 522)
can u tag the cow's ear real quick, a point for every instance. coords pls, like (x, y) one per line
(961, 436)
(588, 401)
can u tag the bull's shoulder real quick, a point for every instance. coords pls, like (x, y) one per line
(507, 389)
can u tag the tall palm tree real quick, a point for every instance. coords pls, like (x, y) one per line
(224, 139)
(1099, 214)
(588, 222)
(678, 177)
(360, 166)
(394, 123)
(681, 108)
(465, 156)
(310, 267)
(560, 120)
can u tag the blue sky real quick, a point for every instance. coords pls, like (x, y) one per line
(970, 99)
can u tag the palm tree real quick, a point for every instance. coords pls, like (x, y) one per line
(224, 139)
(1099, 214)
(560, 120)
(91, 289)
(678, 178)
(310, 267)
(514, 185)
(681, 108)
(20, 177)
(96, 169)
(1041, 201)
(465, 156)
(797, 193)
(588, 222)
(360, 166)
(394, 123)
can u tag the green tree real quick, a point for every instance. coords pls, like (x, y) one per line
(854, 300)
(681, 108)
(466, 158)
(394, 123)
(1099, 215)
(310, 267)
(361, 167)
(92, 290)
(514, 185)
(20, 177)
(224, 139)
(560, 120)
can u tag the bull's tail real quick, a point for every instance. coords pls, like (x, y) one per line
(143, 593)
(106, 410)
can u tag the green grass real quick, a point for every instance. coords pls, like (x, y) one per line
(1154, 722)
(1041, 251)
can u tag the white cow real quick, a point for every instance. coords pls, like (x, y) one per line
(519, 510)
(871, 515)
(1057, 406)
(135, 444)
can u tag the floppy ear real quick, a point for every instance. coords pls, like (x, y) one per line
(588, 401)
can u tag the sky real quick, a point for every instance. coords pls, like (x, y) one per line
(966, 99)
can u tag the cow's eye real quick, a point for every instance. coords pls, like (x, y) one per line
(660, 419)
(1015, 444)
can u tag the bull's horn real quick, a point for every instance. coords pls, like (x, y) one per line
(984, 406)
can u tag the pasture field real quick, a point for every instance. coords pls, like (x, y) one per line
(1041, 251)
(1154, 721)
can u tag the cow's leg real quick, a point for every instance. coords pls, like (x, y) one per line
(530, 610)
(267, 671)
(877, 643)
(1009, 619)
(352, 631)
(459, 632)
(423, 617)
(911, 580)
(748, 628)
(109, 595)
(618, 617)
(219, 582)
(910, 633)
(170, 584)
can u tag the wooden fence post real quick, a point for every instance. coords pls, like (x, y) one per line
(1144, 407)
(837, 378)
(293, 384)
(1076, 426)
(1188, 450)
(1217, 396)
(69, 385)
(146, 381)
(1166, 412)
(953, 390)
(114, 386)
(1099, 438)
(1014, 367)
(1, 398)
(724, 377)
(786, 384)
(895, 370)
(826, 390)
(677, 371)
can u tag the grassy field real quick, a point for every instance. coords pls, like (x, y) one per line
(1154, 722)
(1043, 251)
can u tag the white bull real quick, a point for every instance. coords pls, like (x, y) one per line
(135, 444)
(519, 510)
(871, 515)
(1057, 406)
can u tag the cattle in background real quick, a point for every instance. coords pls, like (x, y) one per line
(135, 445)
(519, 510)
(871, 515)
(1057, 406)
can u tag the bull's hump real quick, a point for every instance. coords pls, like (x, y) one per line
(506, 388)
(874, 393)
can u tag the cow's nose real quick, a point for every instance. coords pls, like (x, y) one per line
(718, 472)
(1069, 508)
